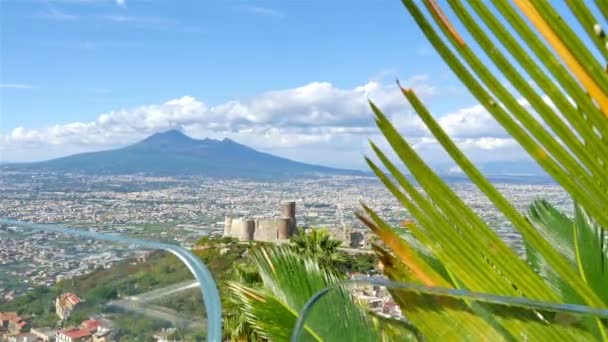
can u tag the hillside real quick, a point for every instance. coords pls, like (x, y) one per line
(173, 153)
(126, 279)
(99, 288)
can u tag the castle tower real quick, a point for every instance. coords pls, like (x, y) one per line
(227, 226)
(249, 230)
(288, 211)
(284, 229)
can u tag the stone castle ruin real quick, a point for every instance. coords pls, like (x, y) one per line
(267, 229)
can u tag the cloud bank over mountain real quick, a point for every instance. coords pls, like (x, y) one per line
(317, 122)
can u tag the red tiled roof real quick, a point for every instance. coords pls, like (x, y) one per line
(91, 324)
(72, 297)
(12, 317)
(75, 333)
(9, 316)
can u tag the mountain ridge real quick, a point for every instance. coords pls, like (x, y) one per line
(173, 153)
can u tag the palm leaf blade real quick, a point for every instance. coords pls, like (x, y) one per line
(289, 280)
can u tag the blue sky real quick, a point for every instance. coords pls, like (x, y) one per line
(231, 68)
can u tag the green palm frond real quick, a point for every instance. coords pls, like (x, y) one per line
(288, 281)
(247, 274)
(449, 244)
(591, 252)
(237, 326)
(555, 227)
(580, 239)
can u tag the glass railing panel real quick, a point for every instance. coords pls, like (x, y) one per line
(64, 283)
(161, 298)
(375, 309)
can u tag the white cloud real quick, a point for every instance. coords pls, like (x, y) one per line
(15, 86)
(152, 22)
(269, 12)
(471, 122)
(53, 13)
(335, 122)
(120, 18)
(121, 3)
(455, 170)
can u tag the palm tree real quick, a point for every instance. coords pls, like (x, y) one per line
(236, 324)
(310, 259)
(318, 245)
(289, 279)
(448, 245)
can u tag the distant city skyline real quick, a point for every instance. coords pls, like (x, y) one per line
(289, 78)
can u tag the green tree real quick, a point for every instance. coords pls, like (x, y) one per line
(318, 245)
(101, 294)
(359, 263)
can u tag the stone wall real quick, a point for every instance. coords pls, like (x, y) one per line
(266, 230)
(242, 229)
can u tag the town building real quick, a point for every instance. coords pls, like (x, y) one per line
(44, 334)
(164, 335)
(73, 335)
(65, 303)
(12, 323)
(22, 337)
(90, 330)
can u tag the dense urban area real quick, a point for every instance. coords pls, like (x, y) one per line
(179, 210)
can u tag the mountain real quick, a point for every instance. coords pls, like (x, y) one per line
(173, 153)
(514, 168)
(516, 172)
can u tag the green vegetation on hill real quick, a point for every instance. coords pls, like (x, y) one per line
(226, 258)
(38, 303)
(137, 328)
(98, 287)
